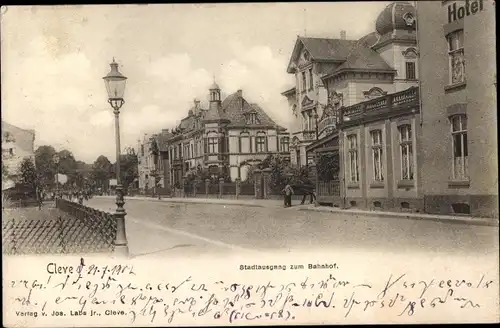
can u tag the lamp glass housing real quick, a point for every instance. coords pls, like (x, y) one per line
(115, 82)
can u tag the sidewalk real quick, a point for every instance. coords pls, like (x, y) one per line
(272, 203)
(268, 203)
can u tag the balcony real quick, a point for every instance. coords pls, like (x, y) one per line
(309, 135)
(392, 103)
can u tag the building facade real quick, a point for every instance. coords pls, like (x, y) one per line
(458, 141)
(332, 73)
(17, 144)
(378, 139)
(226, 138)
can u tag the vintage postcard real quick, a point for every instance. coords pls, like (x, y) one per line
(249, 164)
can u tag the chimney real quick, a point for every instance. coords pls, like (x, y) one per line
(240, 95)
(343, 35)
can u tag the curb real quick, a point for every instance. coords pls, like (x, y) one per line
(422, 217)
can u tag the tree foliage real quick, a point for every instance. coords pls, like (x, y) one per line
(128, 169)
(5, 171)
(327, 166)
(28, 172)
(101, 170)
(45, 166)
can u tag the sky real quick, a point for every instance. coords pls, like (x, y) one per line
(54, 58)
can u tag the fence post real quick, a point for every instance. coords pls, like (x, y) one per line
(258, 183)
(238, 186)
(221, 187)
(266, 176)
(207, 185)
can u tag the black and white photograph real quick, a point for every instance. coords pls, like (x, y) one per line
(155, 132)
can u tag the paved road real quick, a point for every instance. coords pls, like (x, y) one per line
(223, 226)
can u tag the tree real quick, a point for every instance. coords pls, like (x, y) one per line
(45, 166)
(101, 170)
(5, 171)
(28, 172)
(128, 169)
(327, 167)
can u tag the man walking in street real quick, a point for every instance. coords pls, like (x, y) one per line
(288, 191)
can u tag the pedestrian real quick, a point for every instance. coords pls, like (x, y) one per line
(288, 191)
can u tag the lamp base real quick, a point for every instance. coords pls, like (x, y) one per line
(121, 250)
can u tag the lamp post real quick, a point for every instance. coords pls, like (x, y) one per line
(56, 161)
(115, 86)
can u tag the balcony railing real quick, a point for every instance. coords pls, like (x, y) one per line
(309, 135)
(390, 102)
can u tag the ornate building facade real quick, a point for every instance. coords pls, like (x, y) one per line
(17, 144)
(226, 138)
(153, 161)
(346, 73)
(332, 73)
(458, 142)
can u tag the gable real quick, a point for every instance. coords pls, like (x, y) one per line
(306, 101)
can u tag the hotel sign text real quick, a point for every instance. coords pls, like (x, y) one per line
(470, 8)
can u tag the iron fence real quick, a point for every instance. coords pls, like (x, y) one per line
(328, 188)
(74, 228)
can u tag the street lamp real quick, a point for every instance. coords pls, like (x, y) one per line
(56, 161)
(115, 86)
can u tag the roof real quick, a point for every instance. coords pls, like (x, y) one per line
(234, 107)
(365, 58)
(362, 58)
(368, 40)
(214, 86)
(393, 17)
(327, 49)
(322, 49)
(289, 91)
(8, 126)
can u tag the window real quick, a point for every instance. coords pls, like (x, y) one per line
(244, 143)
(11, 151)
(285, 144)
(456, 56)
(377, 152)
(352, 157)
(212, 145)
(406, 152)
(411, 71)
(192, 149)
(304, 81)
(260, 143)
(460, 151)
(142, 150)
(311, 80)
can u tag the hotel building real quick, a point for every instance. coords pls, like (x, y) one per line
(458, 136)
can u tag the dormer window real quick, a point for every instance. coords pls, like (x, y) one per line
(251, 118)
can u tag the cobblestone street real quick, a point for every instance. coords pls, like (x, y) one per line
(223, 227)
